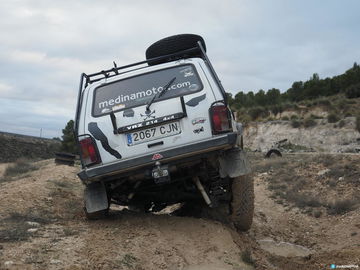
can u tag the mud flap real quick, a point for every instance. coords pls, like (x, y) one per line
(95, 197)
(233, 163)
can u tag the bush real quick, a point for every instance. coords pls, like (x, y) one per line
(342, 123)
(20, 167)
(295, 123)
(341, 207)
(309, 122)
(303, 200)
(313, 116)
(317, 214)
(358, 123)
(353, 91)
(285, 118)
(333, 118)
(258, 112)
(324, 102)
(294, 117)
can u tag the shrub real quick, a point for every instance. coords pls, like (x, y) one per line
(324, 102)
(317, 214)
(295, 123)
(285, 118)
(309, 122)
(353, 91)
(294, 117)
(20, 167)
(341, 207)
(333, 118)
(302, 200)
(255, 113)
(342, 123)
(313, 116)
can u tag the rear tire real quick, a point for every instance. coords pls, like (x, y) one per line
(173, 44)
(242, 204)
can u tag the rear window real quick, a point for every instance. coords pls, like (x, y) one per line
(138, 90)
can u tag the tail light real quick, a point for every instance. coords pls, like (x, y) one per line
(89, 152)
(220, 118)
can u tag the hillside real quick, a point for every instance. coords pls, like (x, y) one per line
(15, 146)
(324, 125)
(322, 136)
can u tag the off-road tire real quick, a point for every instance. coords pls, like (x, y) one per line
(242, 203)
(96, 215)
(173, 44)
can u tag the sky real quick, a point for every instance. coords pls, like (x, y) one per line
(46, 45)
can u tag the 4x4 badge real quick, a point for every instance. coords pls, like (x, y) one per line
(157, 156)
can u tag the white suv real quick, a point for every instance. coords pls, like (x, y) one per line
(160, 132)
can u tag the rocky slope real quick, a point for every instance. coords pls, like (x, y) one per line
(322, 137)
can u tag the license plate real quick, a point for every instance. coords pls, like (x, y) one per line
(153, 133)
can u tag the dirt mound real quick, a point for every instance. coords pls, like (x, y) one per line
(42, 225)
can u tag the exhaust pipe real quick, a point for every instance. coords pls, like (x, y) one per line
(202, 191)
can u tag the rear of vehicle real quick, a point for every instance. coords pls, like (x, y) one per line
(151, 133)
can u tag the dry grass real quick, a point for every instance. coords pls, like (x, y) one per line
(340, 207)
(294, 181)
(302, 199)
(19, 168)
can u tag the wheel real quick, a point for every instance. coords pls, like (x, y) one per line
(172, 45)
(273, 151)
(96, 215)
(242, 203)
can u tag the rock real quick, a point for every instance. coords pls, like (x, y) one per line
(32, 230)
(341, 178)
(323, 172)
(55, 261)
(8, 263)
(33, 224)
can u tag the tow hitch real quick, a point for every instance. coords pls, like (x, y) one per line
(160, 173)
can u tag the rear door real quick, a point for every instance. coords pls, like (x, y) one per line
(176, 117)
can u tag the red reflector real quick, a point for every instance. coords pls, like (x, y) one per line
(220, 119)
(88, 152)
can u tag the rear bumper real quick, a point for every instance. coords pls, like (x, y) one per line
(218, 143)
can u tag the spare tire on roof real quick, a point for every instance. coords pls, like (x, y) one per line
(173, 44)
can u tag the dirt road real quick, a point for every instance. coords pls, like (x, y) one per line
(42, 226)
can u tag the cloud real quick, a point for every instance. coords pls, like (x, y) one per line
(46, 45)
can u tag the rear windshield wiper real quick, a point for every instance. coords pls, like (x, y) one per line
(165, 88)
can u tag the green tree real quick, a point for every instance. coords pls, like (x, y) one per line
(273, 96)
(68, 143)
(260, 98)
